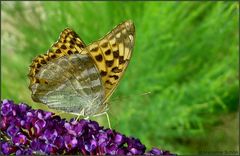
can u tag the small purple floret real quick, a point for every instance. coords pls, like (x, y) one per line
(70, 142)
(25, 131)
(19, 139)
(6, 148)
(12, 130)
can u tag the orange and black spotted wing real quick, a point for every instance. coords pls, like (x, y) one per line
(112, 54)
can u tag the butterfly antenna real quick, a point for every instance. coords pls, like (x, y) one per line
(124, 97)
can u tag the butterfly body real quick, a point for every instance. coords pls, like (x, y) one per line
(77, 78)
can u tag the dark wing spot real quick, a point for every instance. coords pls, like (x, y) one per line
(43, 62)
(36, 71)
(108, 52)
(58, 51)
(72, 41)
(103, 73)
(38, 65)
(109, 82)
(63, 47)
(65, 41)
(53, 56)
(109, 63)
(114, 76)
(99, 58)
(74, 35)
(37, 81)
(116, 70)
(116, 54)
(71, 46)
(70, 52)
(121, 60)
(80, 45)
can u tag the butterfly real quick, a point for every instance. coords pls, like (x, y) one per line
(79, 79)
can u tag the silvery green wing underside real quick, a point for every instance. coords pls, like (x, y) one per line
(72, 84)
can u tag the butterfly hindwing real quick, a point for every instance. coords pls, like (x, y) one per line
(73, 84)
(67, 44)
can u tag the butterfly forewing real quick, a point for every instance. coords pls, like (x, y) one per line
(112, 54)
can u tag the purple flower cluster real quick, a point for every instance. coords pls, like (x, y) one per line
(25, 131)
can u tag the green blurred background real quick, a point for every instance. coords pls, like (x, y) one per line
(186, 55)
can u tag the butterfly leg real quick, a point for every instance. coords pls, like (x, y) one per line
(80, 114)
(78, 117)
(109, 124)
(104, 113)
(86, 118)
